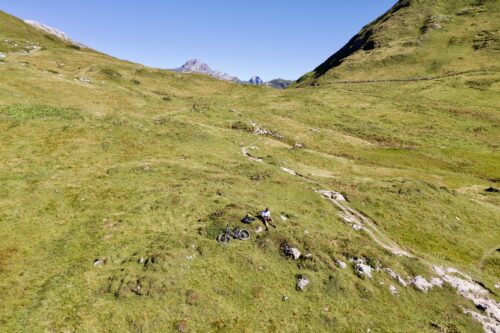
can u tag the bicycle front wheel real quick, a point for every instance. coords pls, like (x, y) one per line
(244, 235)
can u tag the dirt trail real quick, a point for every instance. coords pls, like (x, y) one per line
(415, 79)
(348, 214)
(489, 309)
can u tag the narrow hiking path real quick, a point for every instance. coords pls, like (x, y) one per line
(487, 310)
(414, 79)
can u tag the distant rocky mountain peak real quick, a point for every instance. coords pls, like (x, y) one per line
(256, 80)
(198, 66)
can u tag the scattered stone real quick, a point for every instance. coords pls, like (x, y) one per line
(285, 298)
(362, 269)
(497, 285)
(262, 131)
(341, 264)
(357, 227)
(295, 253)
(232, 110)
(98, 262)
(302, 282)
(420, 283)
(393, 290)
(258, 230)
(489, 324)
(298, 146)
(437, 282)
(190, 258)
(332, 195)
(307, 256)
(83, 79)
(283, 218)
(141, 261)
(291, 252)
(306, 232)
(2, 56)
(396, 277)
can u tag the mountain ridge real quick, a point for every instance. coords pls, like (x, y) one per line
(53, 31)
(198, 66)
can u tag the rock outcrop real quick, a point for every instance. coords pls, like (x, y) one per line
(53, 31)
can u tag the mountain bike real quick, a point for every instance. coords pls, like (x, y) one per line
(236, 233)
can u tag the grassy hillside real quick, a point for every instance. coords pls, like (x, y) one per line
(116, 178)
(418, 38)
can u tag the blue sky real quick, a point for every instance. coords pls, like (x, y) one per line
(269, 38)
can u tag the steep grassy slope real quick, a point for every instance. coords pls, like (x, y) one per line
(141, 168)
(418, 38)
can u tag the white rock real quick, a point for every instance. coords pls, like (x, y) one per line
(393, 290)
(490, 325)
(341, 264)
(295, 253)
(437, 282)
(332, 195)
(396, 277)
(2, 56)
(98, 262)
(283, 218)
(302, 283)
(190, 258)
(497, 285)
(83, 79)
(258, 230)
(420, 283)
(289, 171)
(362, 269)
(467, 288)
(357, 227)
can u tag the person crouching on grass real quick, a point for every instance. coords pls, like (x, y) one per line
(266, 218)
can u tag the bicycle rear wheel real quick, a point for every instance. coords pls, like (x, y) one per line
(223, 238)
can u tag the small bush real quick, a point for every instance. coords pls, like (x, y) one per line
(110, 72)
(74, 46)
(242, 126)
